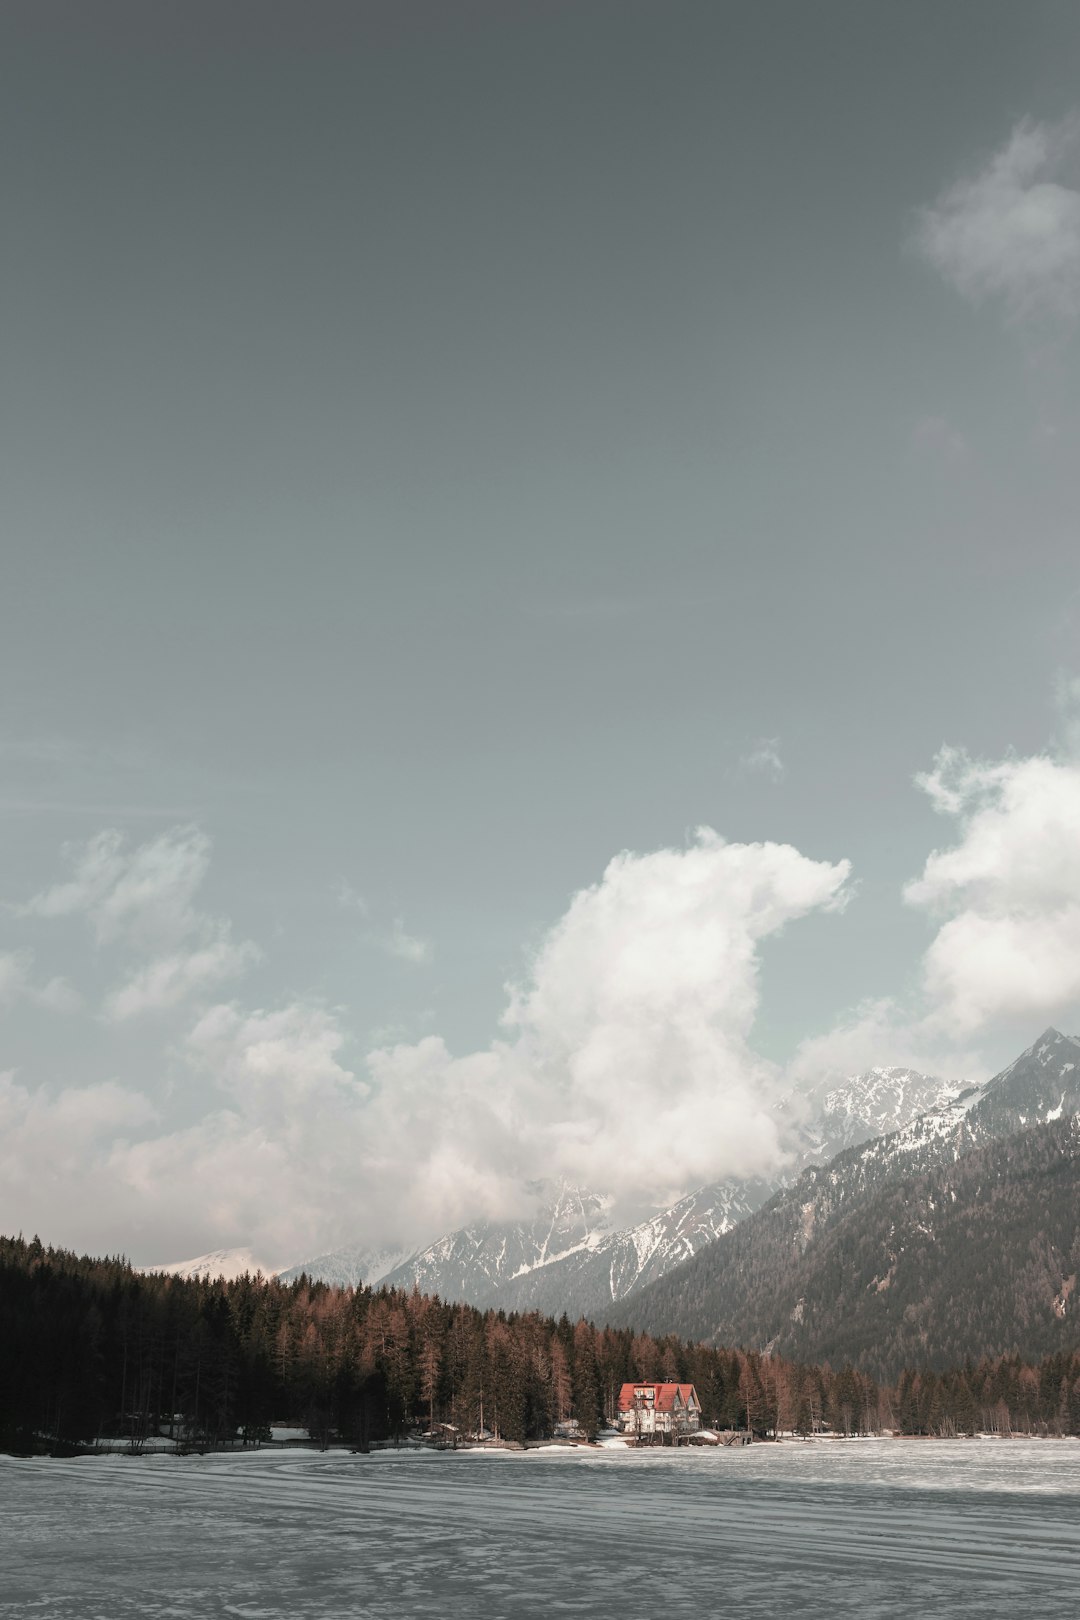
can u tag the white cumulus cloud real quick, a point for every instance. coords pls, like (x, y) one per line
(289, 1054)
(1012, 231)
(627, 1063)
(56, 1148)
(277, 1157)
(1008, 889)
(1004, 901)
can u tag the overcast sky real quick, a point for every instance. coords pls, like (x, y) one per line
(451, 454)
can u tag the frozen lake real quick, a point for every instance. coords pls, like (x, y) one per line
(867, 1528)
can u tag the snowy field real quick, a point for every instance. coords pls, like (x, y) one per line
(866, 1528)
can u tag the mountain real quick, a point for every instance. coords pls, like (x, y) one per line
(478, 1264)
(977, 1258)
(1041, 1085)
(569, 1259)
(350, 1266)
(584, 1280)
(792, 1272)
(874, 1103)
(227, 1263)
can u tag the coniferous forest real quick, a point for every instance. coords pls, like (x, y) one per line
(91, 1349)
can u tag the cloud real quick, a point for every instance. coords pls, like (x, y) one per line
(56, 1147)
(398, 942)
(1012, 231)
(169, 980)
(142, 895)
(1004, 899)
(60, 1123)
(282, 1161)
(624, 1059)
(142, 898)
(289, 1055)
(14, 976)
(626, 1063)
(350, 899)
(407, 947)
(880, 1032)
(278, 1157)
(1009, 890)
(763, 759)
(641, 1002)
(16, 984)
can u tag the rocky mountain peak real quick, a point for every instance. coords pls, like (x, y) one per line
(1042, 1084)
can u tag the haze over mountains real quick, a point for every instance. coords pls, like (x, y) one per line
(918, 1224)
(570, 1258)
(227, 1263)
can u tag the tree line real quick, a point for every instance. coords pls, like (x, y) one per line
(91, 1349)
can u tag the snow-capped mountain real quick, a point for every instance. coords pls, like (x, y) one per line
(349, 1267)
(1043, 1084)
(725, 1291)
(586, 1280)
(870, 1104)
(227, 1263)
(848, 1141)
(570, 1258)
(478, 1263)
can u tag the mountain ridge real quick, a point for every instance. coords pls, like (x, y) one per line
(719, 1292)
(511, 1264)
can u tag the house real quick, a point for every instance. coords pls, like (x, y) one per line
(664, 1411)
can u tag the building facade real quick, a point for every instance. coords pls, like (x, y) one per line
(659, 1411)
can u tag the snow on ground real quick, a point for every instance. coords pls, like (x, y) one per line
(886, 1529)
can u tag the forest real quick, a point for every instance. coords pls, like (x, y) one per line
(91, 1350)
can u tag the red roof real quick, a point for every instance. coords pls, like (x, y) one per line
(657, 1397)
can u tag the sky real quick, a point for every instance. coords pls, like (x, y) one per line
(541, 593)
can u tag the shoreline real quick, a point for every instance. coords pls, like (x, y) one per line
(610, 1446)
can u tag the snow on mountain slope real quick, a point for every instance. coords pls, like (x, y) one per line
(708, 1296)
(874, 1126)
(585, 1282)
(1043, 1084)
(569, 1258)
(351, 1266)
(227, 1263)
(874, 1103)
(478, 1262)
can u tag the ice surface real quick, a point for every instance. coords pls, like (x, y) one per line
(896, 1529)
